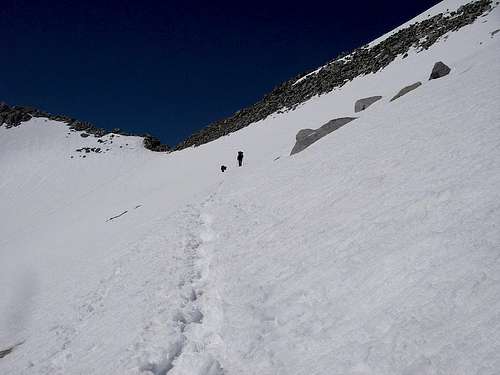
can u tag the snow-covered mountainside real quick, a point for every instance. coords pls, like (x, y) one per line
(374, 251)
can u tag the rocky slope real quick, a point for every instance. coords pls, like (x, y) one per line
(365, 60)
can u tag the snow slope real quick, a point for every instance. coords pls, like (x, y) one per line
(374, 251)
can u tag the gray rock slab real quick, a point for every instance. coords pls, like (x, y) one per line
(406, 90)
(440, 70)
(364, 103)
(307, 137)
(304, 133)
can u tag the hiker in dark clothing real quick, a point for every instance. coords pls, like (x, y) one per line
(223, 168)
(240, 158)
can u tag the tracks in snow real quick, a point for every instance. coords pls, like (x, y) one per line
(191, 351)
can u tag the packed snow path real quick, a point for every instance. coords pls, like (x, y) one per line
(189, 350)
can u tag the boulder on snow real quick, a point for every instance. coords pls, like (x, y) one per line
(406, 90)
(304, 133)
(307, 137)
(440, 70)
(364, 103)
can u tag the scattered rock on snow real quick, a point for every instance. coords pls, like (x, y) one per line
(406, 90)
(307, 137)
(440, 70)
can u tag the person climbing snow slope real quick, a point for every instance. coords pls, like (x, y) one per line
(240, 158)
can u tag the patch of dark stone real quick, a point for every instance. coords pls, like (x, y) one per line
(439, 70)
(362, 61)
(406, 90)
(5, 352)
(117, 216)
(97, 150)
(154, 144)
(364, 103)
(495, 32)
(307, 137)
(12, 116)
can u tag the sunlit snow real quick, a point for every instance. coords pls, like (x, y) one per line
(375, 251)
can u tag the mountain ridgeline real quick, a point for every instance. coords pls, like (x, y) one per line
(12, 116)
(287, 96)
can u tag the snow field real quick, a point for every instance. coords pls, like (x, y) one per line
(374, 251)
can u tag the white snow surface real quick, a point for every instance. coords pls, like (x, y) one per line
(375, 251)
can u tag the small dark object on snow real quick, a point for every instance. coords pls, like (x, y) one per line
(440, 70)
(5, 352)
(117, 216)
(240, 158)
(223, 168)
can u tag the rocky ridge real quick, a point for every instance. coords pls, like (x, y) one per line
(344, 68)
(12, 116)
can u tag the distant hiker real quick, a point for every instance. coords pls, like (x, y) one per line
(223, 168)
(240, 158)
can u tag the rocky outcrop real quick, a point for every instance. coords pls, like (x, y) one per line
(364, 103)
(440, 70)
(307, 137)
(344, 68)
(406, 90)
(15, 115)
(154, 144)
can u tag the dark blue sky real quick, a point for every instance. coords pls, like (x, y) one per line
(172, 67)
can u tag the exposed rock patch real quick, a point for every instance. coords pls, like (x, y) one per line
(307, 137)
(97, 150)
(440, 70)
(154, 144)
(365, 60)
(406, 90)
(364, 103)
(5, 352)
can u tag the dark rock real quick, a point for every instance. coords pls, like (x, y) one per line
(440, 70)
(406, 90)
(364, 103)
(84, 135)
(303, 134)
(307, 137)
(154, 144)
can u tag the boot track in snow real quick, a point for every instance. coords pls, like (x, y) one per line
(190, 350)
